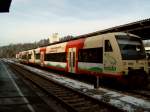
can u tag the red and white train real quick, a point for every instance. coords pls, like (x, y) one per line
(119, 56)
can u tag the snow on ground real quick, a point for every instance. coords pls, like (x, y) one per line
(125, 102)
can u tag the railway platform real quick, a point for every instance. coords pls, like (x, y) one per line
(16, 96)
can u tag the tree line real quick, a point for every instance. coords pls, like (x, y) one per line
(11, 50)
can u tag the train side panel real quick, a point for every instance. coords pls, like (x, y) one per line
(90, 57)
(24, 57)
(55, 57)
(31, 56)
(112, 60)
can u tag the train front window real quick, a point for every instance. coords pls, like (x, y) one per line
(131, 47)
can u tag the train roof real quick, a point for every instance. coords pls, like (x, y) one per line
(123, 33)
(79, 37)
(44, 47)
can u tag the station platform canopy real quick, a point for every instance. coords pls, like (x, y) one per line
(4, 5)
(140, 28)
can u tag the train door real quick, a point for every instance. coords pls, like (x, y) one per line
(71, 60)
(42, 55)
(42, 58)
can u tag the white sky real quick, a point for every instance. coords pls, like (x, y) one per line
(32, 20)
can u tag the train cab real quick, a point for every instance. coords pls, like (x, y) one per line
(117, 55)
(134, 65)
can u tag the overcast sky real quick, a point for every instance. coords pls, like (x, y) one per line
(32, 20)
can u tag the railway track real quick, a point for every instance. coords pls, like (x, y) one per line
(73, 100)
(141, 93)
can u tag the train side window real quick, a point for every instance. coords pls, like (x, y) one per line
(91, 55)
(73, 59)
(37, 56)
(56, 57)
(108, 47)
(24, 57)
(29, 56)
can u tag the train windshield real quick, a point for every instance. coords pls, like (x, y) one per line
(131, 47)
